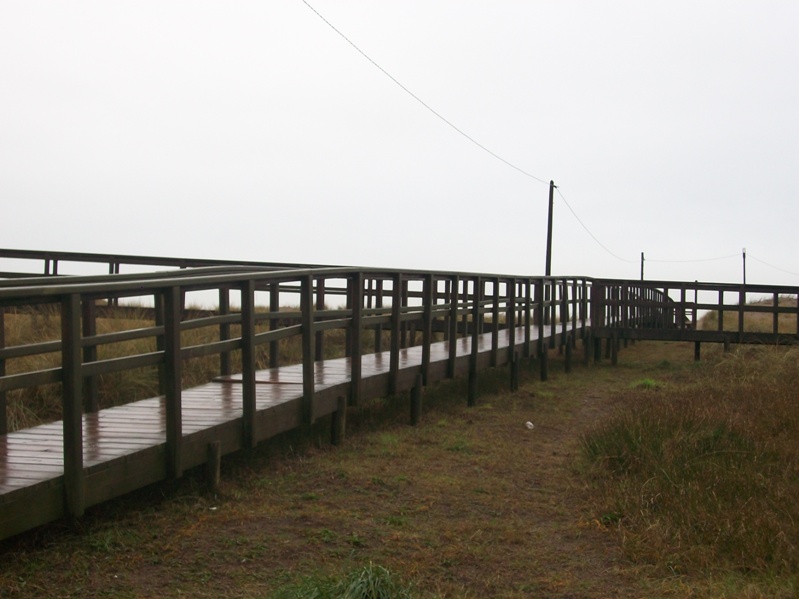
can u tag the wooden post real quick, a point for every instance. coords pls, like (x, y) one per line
(514, 372)
(528, 312)
(172, 373)
(416, 400)
(250, 439)
(319, 345)
(614, 348)
(396, 341)
(472, 397)
(568, 359)
(224, 331)
(454, 282)
(379, 327)
(308, 338)
(697, 351)
(274, 310)
(510, 287)
(495, 322)
(338, 424)
(427, 324)
(543, 358)
(3, 406)
(89, 325)
(356, 326)
(71, 384)
(213, 467)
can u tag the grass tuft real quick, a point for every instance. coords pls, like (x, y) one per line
(369, 582)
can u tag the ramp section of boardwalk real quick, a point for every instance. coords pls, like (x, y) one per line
(356, 333)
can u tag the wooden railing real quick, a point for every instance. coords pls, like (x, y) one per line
(394, 309)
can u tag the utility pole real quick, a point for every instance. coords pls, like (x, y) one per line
(744, 256)
(642, 266)
(548, 271)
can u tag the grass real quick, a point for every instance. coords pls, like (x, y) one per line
(702, 477)
(755, 322)
(659, 477)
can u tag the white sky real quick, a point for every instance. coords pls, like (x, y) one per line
(251, 130)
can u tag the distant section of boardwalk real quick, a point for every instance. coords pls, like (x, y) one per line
(394, 331)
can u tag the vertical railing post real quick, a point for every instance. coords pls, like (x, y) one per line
(511, 317)
(319, 353)
(528, 309)
(427, 324)
(308, 352)
(89, 326)
(396, 314)
(172, 381)
(379, 305)
(224, 330)
(72, 391)
(454, 283)
(274, 323)
(741, 304)
(495, 321)
(3, 406)
(356, 301)
(475, 335)
(248, 367)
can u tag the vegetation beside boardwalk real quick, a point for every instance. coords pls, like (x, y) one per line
(658, 477)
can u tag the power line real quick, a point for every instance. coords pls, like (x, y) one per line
(694, 259)
(772, 266)
(587, 230)
(422, 102)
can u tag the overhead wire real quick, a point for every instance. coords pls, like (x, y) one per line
(420, 101)
(510, 164)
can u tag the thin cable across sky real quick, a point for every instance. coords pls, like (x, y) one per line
(510, 164)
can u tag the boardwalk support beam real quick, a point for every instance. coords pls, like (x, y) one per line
(213, 467)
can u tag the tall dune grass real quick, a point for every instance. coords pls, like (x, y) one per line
(706, 475)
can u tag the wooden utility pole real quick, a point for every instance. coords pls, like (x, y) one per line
(549, 229)
(744, 256)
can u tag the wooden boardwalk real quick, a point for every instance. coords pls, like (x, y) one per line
(124, 448)
(436, 325)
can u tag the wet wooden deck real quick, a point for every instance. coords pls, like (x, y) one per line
(124, 448)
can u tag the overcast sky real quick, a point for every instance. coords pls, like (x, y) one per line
(252, 130)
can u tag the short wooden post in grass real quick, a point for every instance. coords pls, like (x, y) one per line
(543, 358)
(568, 359)
(614, 348)
(213, 468)
(697, 351)
(338, 424)
(514, 372)
(726, 344)
(416, 400)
